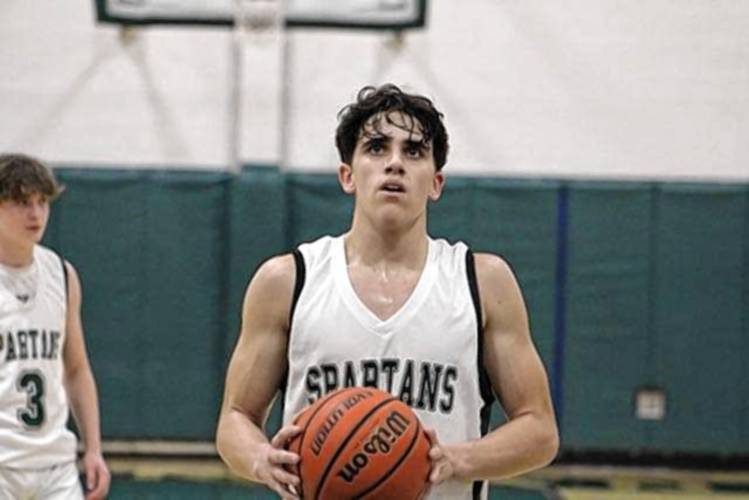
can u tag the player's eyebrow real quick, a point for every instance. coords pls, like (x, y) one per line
(375, 138)
(419, 144)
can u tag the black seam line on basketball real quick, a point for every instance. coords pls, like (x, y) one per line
(395, 466)
(301, 445)
(345, 442)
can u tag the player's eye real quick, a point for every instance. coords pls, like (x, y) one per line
(413, 152)
(375, 147)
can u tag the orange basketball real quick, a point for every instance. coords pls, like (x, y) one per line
(361, 443)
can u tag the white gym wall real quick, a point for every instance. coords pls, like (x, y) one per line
(581, 88)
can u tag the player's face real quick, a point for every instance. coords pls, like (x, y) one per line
(393, 173)
(24, 222)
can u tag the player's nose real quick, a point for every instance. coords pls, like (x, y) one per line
(394, 164)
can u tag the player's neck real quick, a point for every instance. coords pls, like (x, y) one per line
(16, 255)
(370, 246)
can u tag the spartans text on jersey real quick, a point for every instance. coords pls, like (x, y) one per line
(29, 344)
(424, 385)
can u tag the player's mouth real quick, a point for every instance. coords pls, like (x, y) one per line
(393, 187)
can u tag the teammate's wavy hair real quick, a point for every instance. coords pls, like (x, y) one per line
(375, 104)
(22, 175)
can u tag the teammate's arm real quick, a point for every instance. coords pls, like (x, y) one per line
(81, 389)
(255, 371)
(529, 439)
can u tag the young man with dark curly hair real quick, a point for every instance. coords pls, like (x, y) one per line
(385, 305)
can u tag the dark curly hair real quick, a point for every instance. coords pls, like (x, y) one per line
(22, 175)
(373, 101)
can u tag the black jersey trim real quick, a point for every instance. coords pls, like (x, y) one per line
(478, 486)
(484, 385)
(64, 276)
(301, 275)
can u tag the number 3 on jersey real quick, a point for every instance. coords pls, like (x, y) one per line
(32, 383)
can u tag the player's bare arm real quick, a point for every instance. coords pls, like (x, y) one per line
(529, 439)
(254, 374)
(81, 389)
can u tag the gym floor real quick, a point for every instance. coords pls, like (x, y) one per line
(206, 478)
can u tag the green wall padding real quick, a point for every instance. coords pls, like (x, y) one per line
(607, 349)
(257, 231)
(699, 313)
(316, 207)
(744, 419)
(514, 219)
(99, 226)
(657, 291)
(149, 248)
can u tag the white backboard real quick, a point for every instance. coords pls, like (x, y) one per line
(372, 14)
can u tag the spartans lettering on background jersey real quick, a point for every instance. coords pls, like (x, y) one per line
(421, 384)
(29, 344)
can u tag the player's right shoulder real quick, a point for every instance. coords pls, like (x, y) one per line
(276, 273)
(269, 294)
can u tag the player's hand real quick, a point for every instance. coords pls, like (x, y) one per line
(269, 467)
(442, 466)
(97, 476)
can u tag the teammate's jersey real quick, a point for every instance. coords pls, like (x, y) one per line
(427, 353)
(33, 402)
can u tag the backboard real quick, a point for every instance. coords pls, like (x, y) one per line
(358, 14)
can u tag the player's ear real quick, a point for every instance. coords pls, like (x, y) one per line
(438, 183)
(346, 178)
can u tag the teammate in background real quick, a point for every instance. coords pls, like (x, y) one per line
(43, 361)
(385, 305)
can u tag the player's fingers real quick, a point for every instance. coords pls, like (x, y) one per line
(432, 435)
(282, 490)
(101, 486)
(97, 493)
(92, 481)
(436, 453)
(283, 457)
(284, 434)
(285, 477)
(91, 478)
(440, 472)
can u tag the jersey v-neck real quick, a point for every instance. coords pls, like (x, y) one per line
(366, 317)
(20, 284)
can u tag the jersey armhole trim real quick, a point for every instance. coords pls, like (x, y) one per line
(298, 283)
(301, 276)
(65, 277)
(484, 385)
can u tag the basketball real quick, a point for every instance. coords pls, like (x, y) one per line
(361, 443)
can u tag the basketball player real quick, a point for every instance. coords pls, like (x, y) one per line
(385, 305)
(43, 361)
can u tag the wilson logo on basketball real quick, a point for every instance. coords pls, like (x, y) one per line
(360, 443)
(324, 432)
(381, 440)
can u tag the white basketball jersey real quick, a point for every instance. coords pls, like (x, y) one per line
(427, 353)
(33, 402)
